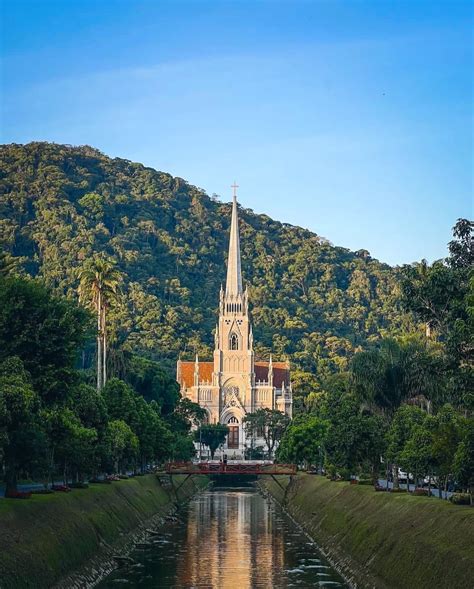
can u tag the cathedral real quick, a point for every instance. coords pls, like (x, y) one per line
(234, 383)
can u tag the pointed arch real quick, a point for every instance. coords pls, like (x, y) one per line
(233, 341)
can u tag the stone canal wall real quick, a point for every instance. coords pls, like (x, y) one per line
(382, 540)
(45, 538)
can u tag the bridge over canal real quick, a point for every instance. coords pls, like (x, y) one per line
(228, 469)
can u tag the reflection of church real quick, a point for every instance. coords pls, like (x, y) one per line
(234, 383)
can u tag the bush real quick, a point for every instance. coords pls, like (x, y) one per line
(42, 491)
(354, 482)
(100, 481)
(460, 499)
(345, 474)
(366, 481)
(397, 491)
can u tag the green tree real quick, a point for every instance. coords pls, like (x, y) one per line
(154, 383)
(7, 263)
(397, 371)
(404, 422)
(45, 332)
(18, 419)
(98, 287)
(463, 464)
(447, 429)
(354, 442)
(304, 441)
(417, 454)
(211, 435)
(121, 445)
(122, 402)
(270, 424)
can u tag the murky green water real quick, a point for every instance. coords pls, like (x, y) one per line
(228, 539)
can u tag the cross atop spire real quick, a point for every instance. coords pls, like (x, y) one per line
(234, 272)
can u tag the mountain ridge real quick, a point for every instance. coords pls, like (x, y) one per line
(312, 302)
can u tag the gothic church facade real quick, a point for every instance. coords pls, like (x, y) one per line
(234, 384)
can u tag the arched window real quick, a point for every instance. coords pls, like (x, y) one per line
(233, 420)
(234, 341)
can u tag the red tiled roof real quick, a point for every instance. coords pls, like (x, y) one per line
(187, 373)
(281, 373)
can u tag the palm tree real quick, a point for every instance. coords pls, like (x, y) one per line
(396, 372)
(98, 286)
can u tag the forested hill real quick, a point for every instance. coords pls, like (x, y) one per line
(311, 301)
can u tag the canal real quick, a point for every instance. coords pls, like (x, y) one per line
(228, 538)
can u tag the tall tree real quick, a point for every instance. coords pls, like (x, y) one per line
(98, 287)
(211, 435)
(270, 424)
(18, 418)
(45, 332)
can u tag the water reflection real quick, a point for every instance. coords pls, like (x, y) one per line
(229, 538)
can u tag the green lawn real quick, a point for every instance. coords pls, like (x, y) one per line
(47, 536)
(397, 539)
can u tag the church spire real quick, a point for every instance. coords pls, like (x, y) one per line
(234, 271)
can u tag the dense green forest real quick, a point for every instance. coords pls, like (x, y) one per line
(311, 302)
(109, 269)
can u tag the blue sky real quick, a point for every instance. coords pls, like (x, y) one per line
(353, 119)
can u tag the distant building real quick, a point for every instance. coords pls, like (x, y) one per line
(234, 383)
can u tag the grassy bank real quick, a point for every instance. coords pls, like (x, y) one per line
(384, 540)
(48, 536)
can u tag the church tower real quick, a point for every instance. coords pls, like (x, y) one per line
(233, 354)
(234, 384)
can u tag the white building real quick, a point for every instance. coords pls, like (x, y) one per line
(234, 383)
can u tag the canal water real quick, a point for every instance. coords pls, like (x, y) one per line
(228, 538)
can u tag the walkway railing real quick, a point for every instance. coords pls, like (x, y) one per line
(239, 468)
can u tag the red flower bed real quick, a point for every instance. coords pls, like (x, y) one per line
(421, 492)
(354, 482)
(18, 494)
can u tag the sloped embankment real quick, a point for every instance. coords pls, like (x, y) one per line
(383, 540)
(47, 537)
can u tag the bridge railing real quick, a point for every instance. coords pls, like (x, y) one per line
(236, 468)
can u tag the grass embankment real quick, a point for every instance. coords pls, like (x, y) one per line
(48, 536)
(384, 540)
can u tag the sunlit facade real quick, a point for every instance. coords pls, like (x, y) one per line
(234, 384)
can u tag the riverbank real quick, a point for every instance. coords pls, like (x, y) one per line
(47, 537)
(382, 540)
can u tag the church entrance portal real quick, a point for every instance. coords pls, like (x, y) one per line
(233, 437)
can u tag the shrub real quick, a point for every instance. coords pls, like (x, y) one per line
(354, 482)
(366, 481)
(460, 499)
(397, 491)
(42, 491)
